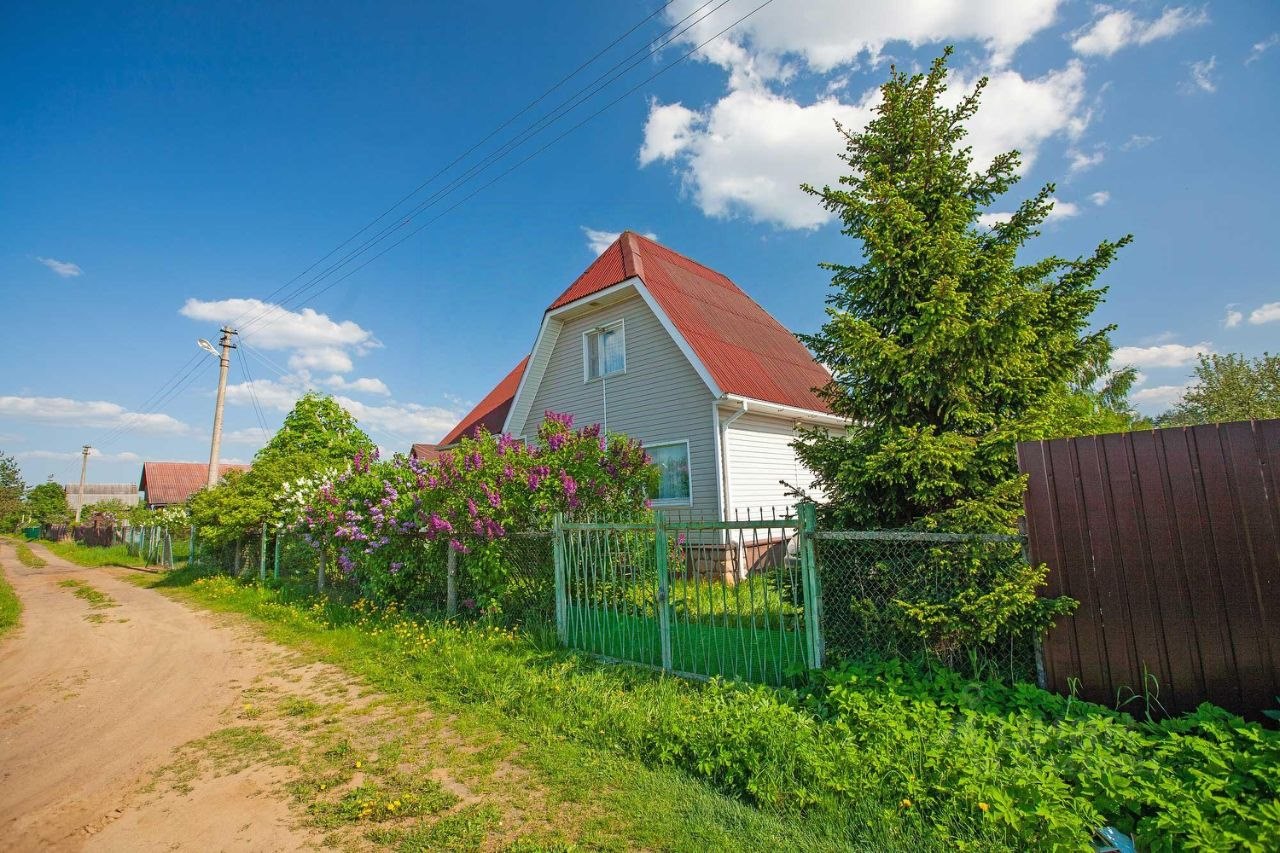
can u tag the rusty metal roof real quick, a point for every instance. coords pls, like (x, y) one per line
(165, 483)
(490, 412)
(746, 350)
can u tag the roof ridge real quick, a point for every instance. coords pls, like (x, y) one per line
(632, 260)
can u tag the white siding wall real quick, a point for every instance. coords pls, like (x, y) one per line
(660, 397)
(759, 455)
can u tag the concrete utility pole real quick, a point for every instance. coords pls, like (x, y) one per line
(224, 362)
(84, 467)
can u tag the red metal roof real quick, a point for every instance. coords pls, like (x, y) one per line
(426, 452)
(746, 351)
(490, 412)
(165, 483)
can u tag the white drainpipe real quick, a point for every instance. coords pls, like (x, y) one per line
(726, 494)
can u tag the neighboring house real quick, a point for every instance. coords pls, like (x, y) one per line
(168, 483)
(126, 493)
(652, 344)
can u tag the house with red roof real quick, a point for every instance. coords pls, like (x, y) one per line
(167, 483)
(650, 343)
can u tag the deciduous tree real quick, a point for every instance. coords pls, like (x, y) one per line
(1229, 388)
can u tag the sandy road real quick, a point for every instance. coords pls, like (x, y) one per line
(93, 701)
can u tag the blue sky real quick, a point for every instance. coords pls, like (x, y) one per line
(165, 164)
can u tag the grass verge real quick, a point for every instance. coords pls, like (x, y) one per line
(26, 556)
(96, 598)
(502, 688)
(875, 756)
(93, 557)
(10, 606)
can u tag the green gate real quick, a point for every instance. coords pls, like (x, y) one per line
(737, 599)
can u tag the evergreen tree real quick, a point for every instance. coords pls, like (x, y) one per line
(945, 349)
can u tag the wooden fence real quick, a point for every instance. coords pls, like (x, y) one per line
(1170, 541)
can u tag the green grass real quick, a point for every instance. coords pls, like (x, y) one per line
(96, 598)
(591, 734)
(28, 557)
(94, 557)
(10, 606)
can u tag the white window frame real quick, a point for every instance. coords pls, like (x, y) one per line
(621, 326)
(688, 455)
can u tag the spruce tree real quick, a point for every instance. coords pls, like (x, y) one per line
(946, 349)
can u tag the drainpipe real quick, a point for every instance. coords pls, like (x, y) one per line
(725, 495)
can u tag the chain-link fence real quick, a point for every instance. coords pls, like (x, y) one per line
(931, 597)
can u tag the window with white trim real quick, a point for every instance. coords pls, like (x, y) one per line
(604, 351)
(675, 486)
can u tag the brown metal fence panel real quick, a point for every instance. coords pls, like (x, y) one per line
(1170, 541)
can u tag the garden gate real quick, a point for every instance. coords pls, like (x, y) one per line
(738, 599)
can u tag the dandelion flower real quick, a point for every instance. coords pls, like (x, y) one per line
(984, 806)
(906, 804)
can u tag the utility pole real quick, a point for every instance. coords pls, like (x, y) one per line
(224, 362)
(84, 467)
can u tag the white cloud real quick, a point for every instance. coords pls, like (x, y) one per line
(248, 435)
(1160, 355)
(1201, 77)
(1233, 318)
(598, 241)
(667, 131)
(62, 411)
(403, 420)
(271, 394)
(1117, 28)
(1082, 160)
(1060, 210)
(1137, 141)
(94, 453)
(827, 34)
(1262, 47)
(1158, 397)
(363, 385)
(1100, 198)
(748, 153)
(1268, 313)
(327, 359)
(280, 328)
(65, 269)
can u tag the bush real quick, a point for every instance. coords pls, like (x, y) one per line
(886, 751)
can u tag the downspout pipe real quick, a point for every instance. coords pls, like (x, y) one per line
(726, 497)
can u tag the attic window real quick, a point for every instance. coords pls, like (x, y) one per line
(604, 351)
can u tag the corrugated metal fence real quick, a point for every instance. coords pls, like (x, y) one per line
(1170, 540)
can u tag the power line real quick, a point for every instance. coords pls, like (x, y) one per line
(540, 124)
(534, 154)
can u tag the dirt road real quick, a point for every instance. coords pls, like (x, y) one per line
(96, 696)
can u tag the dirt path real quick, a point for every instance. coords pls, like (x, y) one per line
(130, 722)
(94, 699)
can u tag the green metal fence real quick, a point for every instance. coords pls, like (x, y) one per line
(737, 599)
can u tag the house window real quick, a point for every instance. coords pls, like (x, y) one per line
(605, 351)
(672, 462)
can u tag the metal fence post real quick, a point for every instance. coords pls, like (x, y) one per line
(324, 554)
(191, 547)
(262, 554)
(664, 588)
(451, 583)
(562, 598)
(808, 513)
(276, 560)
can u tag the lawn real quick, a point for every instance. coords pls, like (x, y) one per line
(10, 606)
(881, 757)
(95, 557)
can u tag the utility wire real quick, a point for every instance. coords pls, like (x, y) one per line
(520, 163)
(546, 120)
(475, 146)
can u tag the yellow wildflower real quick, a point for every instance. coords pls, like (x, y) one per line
(905, 804)
(984, 806)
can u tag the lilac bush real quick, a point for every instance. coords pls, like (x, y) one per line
(389, 522)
